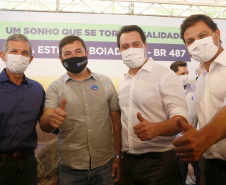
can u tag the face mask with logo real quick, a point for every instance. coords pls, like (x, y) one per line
(75, 64)
(203, 50)
(134, 57)
(184, 79)
(17, 63)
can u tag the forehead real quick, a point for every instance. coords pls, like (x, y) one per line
(72, 46)
(182, 69)
(19, 45)
(130, 37)
(196, 29)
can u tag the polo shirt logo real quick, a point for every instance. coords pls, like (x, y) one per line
(94, 87)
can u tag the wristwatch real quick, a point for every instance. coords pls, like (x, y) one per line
(118, 157)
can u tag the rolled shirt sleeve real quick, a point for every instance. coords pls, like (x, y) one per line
(173, 96)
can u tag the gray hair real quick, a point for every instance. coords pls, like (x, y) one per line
(17, 37)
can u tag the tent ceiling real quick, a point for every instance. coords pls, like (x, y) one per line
(169, 8)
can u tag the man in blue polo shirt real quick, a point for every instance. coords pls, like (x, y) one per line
(21, 104)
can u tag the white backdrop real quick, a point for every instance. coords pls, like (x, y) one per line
(51, 67)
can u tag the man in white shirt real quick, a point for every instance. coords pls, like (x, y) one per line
(150, 98)
(202, 38)
(180, 68)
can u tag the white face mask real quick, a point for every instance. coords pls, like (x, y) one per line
(17, 63)
(134, 57)
(203, 50)
(184, 79)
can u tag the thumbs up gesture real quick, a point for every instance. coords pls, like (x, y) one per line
(145, 130)
(191, 145)
(59, 115)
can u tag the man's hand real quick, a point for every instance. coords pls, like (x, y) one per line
(116, 169)
(190, 146)
(145, 130)
(59, 115)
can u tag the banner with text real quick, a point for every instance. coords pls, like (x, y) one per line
(164, 43)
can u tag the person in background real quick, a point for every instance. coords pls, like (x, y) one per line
(83, 105)
(202, 38)
(180, 68)
(22, 101)
(150, 98)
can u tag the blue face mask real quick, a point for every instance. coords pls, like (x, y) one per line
(75, 64)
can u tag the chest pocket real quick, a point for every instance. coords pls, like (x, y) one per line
(98, 98)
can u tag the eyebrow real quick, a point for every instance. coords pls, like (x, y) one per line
(78, 49)
(23, 51)
(67, 52)
(13, 49)
(125, 45)
(191, 38)
(135, 42)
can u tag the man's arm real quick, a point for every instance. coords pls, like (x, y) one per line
(52, 119)
(147, 131)
(194, 143)
(117, 128)
(173, 98)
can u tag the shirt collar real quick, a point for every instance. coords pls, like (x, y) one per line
(146, 67)
(221, 58)
(186, 88)
(67, 77)
(201, 68)
(4, 77)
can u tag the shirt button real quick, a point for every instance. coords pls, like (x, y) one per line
(85, 104)
(83, 92)
(89, 130)
(87, 116)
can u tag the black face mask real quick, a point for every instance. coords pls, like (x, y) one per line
(75, 64)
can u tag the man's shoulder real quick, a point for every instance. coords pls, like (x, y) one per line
(35, 83)
(59, 80)
(163, 69)
(163, 72)
(101, 77)
(106, 82)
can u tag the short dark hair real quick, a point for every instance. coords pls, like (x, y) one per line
(130, 28)
(70, 39)
(193, 19)
(175, 65)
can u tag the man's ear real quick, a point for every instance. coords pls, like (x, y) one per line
(120, 51)
(31, 59)
(87, 54)
(145, 45)
(218, 33)
(61, 60)
(2, 55)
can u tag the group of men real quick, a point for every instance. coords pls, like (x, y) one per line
(145, 116)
